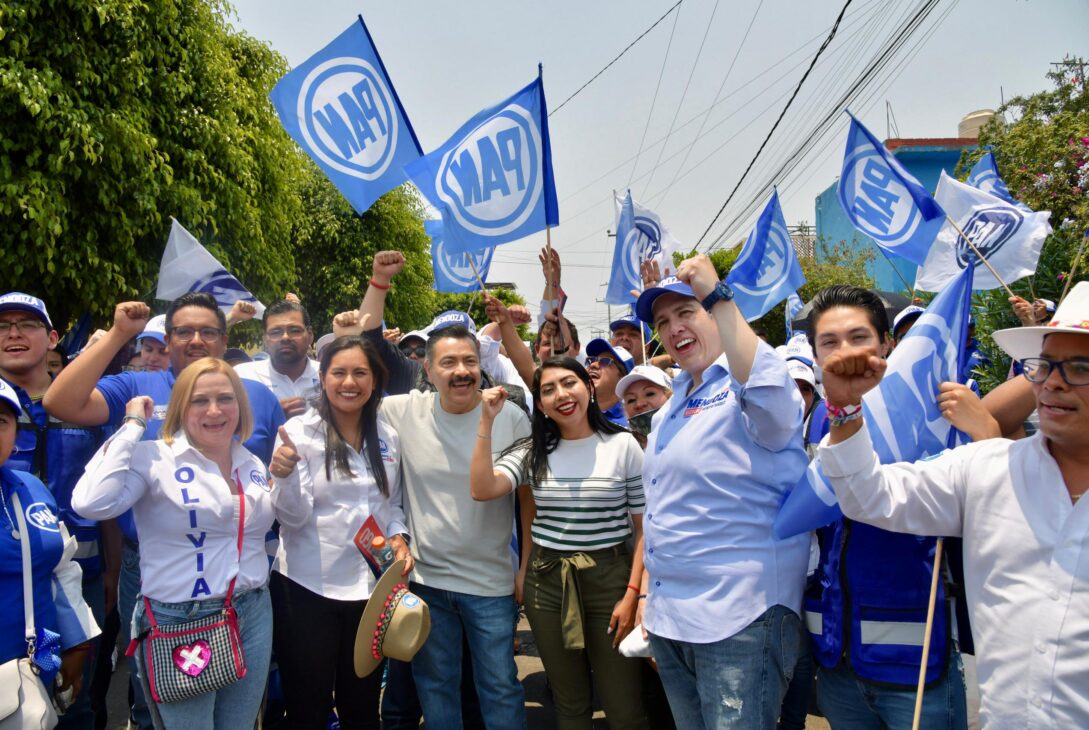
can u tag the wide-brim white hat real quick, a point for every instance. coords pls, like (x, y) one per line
(1072, 315)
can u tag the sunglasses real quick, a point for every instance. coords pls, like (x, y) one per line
(601, 360)
(418, 351)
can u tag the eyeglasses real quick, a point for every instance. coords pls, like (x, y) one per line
(184, 334)
(25, 326)
(418, 351)
(602, 361)
(1073, 372)
(292, 332)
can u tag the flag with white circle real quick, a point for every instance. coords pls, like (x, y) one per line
(767, 270)
(453, 271)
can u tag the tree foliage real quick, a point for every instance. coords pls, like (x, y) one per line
(1043, 156)
(118, 114)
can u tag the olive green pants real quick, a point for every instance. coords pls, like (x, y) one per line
(569, 599)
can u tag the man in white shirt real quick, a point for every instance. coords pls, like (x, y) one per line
(461, 546)
(288, 372)
(1016, 505)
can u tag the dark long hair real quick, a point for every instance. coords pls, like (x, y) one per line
(545, 436)
(336, 446)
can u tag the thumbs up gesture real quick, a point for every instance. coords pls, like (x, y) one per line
(285, 458)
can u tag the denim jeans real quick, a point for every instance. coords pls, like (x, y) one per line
(128, 589)
(80, 715)
(848, 701)
(737, 682)
(235, 706)
(487, 622)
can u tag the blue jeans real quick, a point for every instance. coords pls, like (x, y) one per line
(848, 701)
(487, 623)
(235, 706)
(128, 589)
(80, 715)
(737, 682)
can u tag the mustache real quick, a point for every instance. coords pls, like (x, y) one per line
(463, 380)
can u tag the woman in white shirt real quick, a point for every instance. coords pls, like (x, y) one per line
(579, 581)
(336, 467)
(187, 491)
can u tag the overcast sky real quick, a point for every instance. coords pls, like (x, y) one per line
(450, 59)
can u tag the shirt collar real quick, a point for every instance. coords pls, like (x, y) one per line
(682, 382)
(182, 446)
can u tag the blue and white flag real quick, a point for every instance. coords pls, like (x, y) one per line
(767, 270)
(187, 266)
(884, 201)
(341, 108)
(453, 272)
(640, 236)
(1010, 237)
(492, 180)
(794, 306)
(984, 175)
(902, 413)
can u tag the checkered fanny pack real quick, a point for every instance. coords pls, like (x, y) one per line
(187, 659)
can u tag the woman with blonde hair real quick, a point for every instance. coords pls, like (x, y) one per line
(202, 505)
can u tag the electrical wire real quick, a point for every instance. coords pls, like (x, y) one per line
(798, 88)
(654, 100)
(617, 58)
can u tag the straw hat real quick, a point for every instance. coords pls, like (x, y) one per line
(395, 623)
(1071, 316)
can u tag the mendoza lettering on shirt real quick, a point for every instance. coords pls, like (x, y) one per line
(719, 460)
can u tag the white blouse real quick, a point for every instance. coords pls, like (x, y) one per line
(321, 517)
(185, 513)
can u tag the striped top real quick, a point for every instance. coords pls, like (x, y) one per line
(586, 505)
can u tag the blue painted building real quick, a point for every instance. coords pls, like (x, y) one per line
(925, 159)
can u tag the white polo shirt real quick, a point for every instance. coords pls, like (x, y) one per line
(185, 513)
(306, 385)
(320, 517)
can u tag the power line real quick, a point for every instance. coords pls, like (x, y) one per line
(798, 88)
(654, 99)
(618, 56)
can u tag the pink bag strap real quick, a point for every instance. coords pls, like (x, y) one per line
(241, 535)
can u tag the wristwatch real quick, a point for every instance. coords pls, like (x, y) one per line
(721, 293)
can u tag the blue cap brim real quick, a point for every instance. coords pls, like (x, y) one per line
(644, 306)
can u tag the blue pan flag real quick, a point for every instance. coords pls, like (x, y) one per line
(453, 272)
(794, 306)
(884, 201)
(492, 180)
(625, 275)
(767, 270)
(984, 176)
(902, 413)
(341, 108)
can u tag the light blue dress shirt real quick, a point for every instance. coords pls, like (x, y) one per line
(719, 461)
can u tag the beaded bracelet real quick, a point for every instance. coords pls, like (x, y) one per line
(839, 415)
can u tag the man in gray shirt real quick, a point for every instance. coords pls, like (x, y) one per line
(462, 547)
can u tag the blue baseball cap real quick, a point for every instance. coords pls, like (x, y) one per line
(451, 318)
(7, 395)
(630, 320)
(599, 346)
(16, 301)
(644, 307)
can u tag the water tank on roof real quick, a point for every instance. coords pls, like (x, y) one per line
(973, 121)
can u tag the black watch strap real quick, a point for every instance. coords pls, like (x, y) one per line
(721, 293)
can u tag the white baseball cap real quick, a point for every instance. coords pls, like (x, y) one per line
(644, 372)
(800, 371)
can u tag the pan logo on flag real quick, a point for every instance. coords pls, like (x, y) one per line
(643, 242)
(456, 268)
(348, 117)
(492, 181)
(988, 229)
(772, 267)
(224, 288)
(883, 207)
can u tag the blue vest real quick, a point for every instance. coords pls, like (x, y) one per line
(56, 453)
(867, 602)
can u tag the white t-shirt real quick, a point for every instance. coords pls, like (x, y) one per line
(320, 517)
(185, 513)
(307, 385)
(459, 544)
(589, 490)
